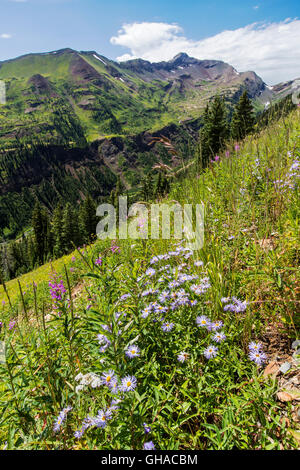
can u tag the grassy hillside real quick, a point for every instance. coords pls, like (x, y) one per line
(101, 345)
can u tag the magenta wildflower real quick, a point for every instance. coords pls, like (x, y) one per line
(12, 324)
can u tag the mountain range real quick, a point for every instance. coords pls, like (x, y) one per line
(73, 120)
(109, 98)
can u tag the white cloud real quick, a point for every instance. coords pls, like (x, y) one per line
(270, 49)
(5, 36)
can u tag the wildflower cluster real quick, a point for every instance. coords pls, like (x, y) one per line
(61, 418)
(289, 180)
(256, 353)
(234, 305)
(57, 289)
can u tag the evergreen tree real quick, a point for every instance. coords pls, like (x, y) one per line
(242, 119)
(58, 245)
(68, 227)
(214, 131)
(158, 186)
(40, 224)
(88, 218)
(147, 187)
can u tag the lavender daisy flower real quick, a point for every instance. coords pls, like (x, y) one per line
(219, 337)
(253, 346)
(149, 446)
(203, 321)
(216, 325)
(108, 377)
(198, 263)
(61, 418)
(146, 428)
(100, 421)
(259, 357)
(183, 356)
(125, 296)
(150, 272)
(128, 383)
(133, 351)
(79, 433)
(167, 326)
(210, 352)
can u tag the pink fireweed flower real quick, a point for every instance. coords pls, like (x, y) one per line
(98, 261)
(12, 325)
(57, 288)
(114, 247)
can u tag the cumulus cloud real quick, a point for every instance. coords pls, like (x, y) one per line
(270, 49)
(5, 36)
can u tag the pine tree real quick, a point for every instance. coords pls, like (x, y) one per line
(68, 228)
(88, 218)
(214, 131)
(158, 186)
(242, 119)
(40, 224)
(58, 247)
(147, 188)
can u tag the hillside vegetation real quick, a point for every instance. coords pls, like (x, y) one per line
(146, 344)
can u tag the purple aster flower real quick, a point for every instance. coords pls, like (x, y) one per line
(146, 428)
(149, 446)
(98, 261)
(167, 326)
(259, 357)
(203, 321)
(125, 296)
(216, 325)
(198, 263)
(61, 418)
(79, 433)
(253, 346)
(108, 377)
(150, 272)
(12, 324)
(210, 352)
(100, 421)
(133, 351)
(183, 356)
(219, 337)
(128, 383)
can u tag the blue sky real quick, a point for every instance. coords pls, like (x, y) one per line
(157, 29)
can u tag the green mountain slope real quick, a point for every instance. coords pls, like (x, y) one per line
(107, 98)
(74, 120)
